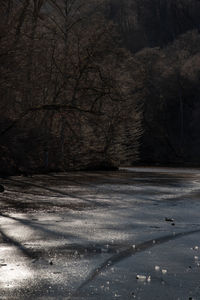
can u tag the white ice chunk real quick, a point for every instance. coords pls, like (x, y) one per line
(157, 268)
(141, 277)
(148, 278)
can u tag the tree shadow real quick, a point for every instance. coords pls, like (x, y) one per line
(59, 192)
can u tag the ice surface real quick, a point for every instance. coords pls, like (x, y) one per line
(88, 235)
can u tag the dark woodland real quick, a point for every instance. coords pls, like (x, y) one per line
(98, 84)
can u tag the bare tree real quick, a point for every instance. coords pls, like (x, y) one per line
(70, 79)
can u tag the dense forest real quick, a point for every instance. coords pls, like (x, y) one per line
(164, 38)
(97, 84)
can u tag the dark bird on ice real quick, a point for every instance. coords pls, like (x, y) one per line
(1, 188)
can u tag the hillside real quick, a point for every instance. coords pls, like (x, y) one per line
(164, 37)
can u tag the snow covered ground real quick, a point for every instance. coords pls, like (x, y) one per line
(131, 234)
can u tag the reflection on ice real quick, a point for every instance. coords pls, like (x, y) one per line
(13, 276)
(13, 272)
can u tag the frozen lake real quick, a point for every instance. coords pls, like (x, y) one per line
(130, 234)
